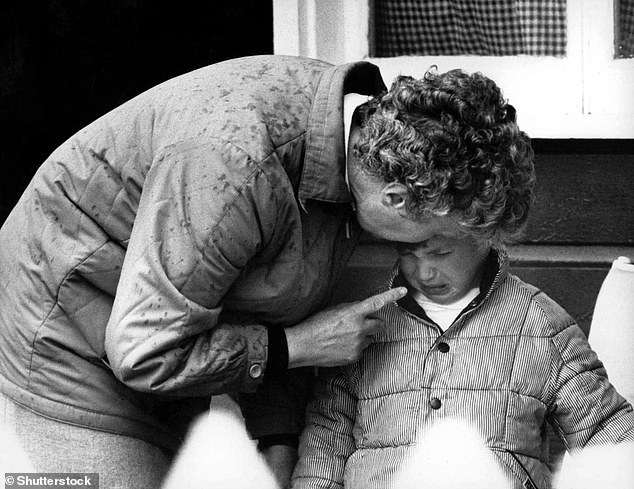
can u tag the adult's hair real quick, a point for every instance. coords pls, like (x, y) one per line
(453, 141)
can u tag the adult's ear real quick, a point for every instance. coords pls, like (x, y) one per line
(395, 195)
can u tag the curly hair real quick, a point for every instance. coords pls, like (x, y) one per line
(452, 140)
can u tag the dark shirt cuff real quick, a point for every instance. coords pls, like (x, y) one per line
(283, 439)
(277, 361)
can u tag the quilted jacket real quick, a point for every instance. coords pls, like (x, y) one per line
(142, 266)
(510, 363)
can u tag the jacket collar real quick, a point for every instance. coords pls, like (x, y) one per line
(495, 271)
(323, 174)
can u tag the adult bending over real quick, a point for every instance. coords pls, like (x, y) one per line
(181, 246)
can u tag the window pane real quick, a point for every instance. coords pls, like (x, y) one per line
(456, 27)
(625, 29)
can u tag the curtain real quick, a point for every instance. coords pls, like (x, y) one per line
(477, 27)
(625, 29)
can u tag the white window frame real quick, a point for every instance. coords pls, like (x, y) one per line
(586, 94)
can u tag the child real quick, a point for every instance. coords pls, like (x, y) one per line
(470, 340)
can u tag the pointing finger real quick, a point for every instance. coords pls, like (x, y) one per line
(376, 302)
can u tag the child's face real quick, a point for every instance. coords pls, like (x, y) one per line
(445, 266)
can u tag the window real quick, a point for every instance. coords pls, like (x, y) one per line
(455, 27)
(580, 88)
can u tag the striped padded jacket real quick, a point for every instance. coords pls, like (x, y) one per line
(511, 362)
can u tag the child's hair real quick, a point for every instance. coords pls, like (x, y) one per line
(453, 141)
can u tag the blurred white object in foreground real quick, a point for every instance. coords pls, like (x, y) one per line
(612, 329)
(452, 455)
(219, 454)
(12, 457)
(607, 466)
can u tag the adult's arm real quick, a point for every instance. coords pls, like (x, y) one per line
(198, 223)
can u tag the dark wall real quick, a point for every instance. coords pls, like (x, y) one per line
(63, 63)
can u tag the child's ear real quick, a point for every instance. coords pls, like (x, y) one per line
(395, 195)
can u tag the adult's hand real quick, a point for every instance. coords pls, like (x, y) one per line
(338, 335)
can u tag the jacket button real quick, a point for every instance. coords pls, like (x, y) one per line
(443, 347)
(255, 371)
(435, 403)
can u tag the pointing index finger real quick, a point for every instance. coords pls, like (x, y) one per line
(376, 302)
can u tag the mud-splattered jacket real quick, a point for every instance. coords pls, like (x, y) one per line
(142, 266)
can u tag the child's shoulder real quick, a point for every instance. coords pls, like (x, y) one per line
(543, 313)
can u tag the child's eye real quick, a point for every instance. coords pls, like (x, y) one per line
(441, 252)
